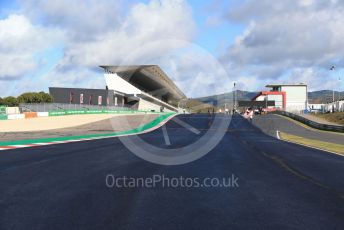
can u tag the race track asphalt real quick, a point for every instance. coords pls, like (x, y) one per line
(280, 185)
(270, 123)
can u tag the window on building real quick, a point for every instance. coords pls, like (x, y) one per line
(276, 88)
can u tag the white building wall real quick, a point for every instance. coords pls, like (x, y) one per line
(115, 82)
(261, 98)
(147, 105)
(296, 97)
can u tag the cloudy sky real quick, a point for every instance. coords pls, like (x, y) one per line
(204, 46)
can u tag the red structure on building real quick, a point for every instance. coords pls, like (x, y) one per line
(265, 96)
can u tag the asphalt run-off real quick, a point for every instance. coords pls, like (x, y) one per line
(249, 180)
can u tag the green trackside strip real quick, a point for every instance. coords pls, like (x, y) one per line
(144, 127)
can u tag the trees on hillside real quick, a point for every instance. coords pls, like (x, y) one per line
(29, 97)
(9, 101)
(46, 97)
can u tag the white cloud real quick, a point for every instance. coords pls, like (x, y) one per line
(196, 71)
(285, 41)
(81, 20)
(145, 24)
(288, 36)
(20, 41)
(318, 79)
(213, 21)
(97, 33)
(103, 32)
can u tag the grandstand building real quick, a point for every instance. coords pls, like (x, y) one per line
(142, 87)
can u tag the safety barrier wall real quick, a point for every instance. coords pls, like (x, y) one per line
(2, 109)
(3, 117)
(42, 114)
(313, 124)
(30, 114)
(73, 112)
(70, 112)
(12, 110)
(46, 107)
(15, 116)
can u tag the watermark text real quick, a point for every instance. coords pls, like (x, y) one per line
(163, 181)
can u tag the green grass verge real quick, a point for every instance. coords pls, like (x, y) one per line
(337, 117)
(337, 148)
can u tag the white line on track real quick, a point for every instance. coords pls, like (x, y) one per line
(4, 148)
(166, 137)
(186, 125)
(21, 146)
(43, 143)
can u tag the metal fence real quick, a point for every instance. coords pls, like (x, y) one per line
(46, 107)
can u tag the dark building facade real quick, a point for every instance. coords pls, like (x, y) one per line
(86, 96)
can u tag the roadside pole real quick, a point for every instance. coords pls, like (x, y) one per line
(234, 98)
(332, 69)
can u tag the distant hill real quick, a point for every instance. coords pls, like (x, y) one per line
(219, 100)
(323, 96)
